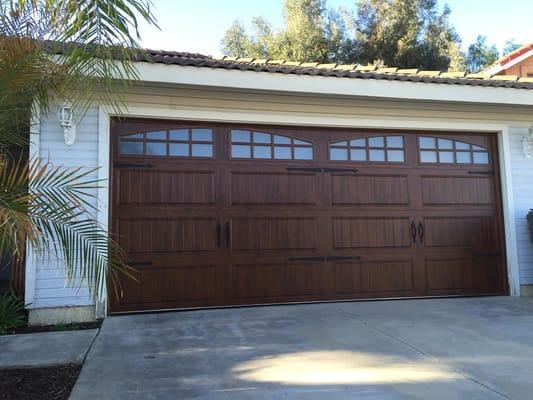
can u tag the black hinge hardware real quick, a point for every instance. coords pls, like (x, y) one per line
(131, 165)
(321, 169)
(339, 169)
(140, 264)
(307, 258)
(341, 258)
(305, 169)
(481, 172)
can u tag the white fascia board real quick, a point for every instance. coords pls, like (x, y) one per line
(305, 84)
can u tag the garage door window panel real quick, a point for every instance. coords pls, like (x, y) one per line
(373, 149)
(448, 151)
(184, 142)
(267, 146)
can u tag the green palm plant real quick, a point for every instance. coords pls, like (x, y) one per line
(76, 51)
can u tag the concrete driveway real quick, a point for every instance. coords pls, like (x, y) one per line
(476, 348)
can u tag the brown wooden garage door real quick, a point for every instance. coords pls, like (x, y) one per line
(224, 215)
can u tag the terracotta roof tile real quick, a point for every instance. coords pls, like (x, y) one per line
(332, 70)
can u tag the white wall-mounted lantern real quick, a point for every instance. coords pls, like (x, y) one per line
(527, 144)
(65, 116)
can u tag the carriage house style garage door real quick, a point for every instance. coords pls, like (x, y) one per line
(214, 215)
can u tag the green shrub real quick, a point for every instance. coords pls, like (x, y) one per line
(11, 312)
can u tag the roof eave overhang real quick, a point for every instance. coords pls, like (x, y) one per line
(324, 85)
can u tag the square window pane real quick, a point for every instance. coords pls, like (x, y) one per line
(463, 157)
(446, 144)
(481, 157)
(134, 136)
(462, 146)
(358, 143)
(282, 153)
(202, 135)
(156, 149)
(358, 154)
(262, 152)
(446, 156)
(303, 153)
(238, 151)
(202, 150)
(178, 149)
(158, 135)
(395, 142)
(395, 156)
(376, 155)
(378, 141)
(339, 144)
(240, 136)
(297, 141)
(131, 147)
(260, 137)
(428, 156)
(282, 139)
(179, 134)
(338, 154)
(427, 142)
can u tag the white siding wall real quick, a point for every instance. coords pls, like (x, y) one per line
(50, 285)
(50, 290)
(522, 172)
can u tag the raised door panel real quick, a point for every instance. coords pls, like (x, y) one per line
(374, 277)
(272, 233)
(155, 287)
(274, 188)
(281, 281)
(468, 232)
(368, 232)
(463, 275)
(373, 190)
(457, 190)
(168, 235)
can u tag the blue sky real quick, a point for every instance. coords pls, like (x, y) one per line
(198, 25)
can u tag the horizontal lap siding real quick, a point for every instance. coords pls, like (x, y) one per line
(51, 290)
(522, 171)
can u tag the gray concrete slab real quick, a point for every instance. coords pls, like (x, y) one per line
(45, 349)
(476, 348)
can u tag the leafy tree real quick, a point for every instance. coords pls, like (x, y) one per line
(69, 50)
(481, 55)
(311, 33)
(403, 33)
(510, 46)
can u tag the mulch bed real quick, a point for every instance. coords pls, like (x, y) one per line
(51, 383)
(55, 328)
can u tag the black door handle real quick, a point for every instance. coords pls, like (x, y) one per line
(413, 231)
(341, 258)
(228, 234)
(219, 234)
(421, 231)
(307, 258)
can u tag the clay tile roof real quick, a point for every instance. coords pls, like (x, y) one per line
(332, 69)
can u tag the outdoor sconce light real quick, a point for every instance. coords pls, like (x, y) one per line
(65, 116)
(527, 144)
